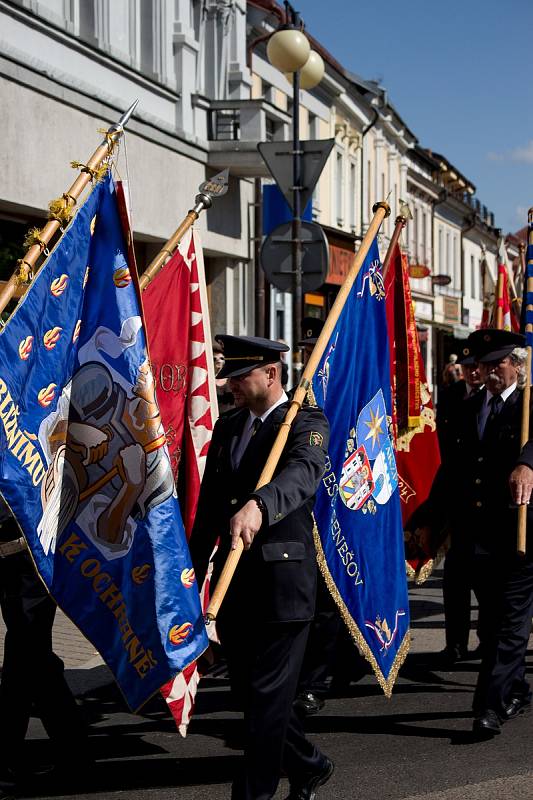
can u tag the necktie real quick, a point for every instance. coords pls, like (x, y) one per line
(256, 424)
(496, 404)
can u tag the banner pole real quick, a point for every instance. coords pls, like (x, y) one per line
(61, 211)
(399, 224)
(216, 186)
(381, 210)
(526, 395)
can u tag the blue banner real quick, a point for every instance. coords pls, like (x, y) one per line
(83, 459)
(527, 302)
(357, 510)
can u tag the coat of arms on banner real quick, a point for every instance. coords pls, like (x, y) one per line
(369, 473)
(356, 483)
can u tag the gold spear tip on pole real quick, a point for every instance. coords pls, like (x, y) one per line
(405, 211)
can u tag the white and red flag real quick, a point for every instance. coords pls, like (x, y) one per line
(179, 338)
(510, 320)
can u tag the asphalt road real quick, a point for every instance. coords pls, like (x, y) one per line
(416, 745)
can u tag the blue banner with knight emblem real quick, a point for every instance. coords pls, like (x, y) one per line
(83, 459)
(526, 322)
(357, 511)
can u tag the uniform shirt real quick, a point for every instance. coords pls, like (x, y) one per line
(484, 412)
(240, 446)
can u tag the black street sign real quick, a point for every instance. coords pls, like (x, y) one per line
(277, 256)
(278, 156)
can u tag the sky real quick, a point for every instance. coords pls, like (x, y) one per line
(458, 72)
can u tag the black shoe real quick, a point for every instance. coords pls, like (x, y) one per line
(308, 703)
(451, 655)
(307, 791)
(487, 725)
(517, 706)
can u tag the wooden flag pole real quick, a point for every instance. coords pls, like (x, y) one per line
(399, 224)
(498, 316)
(61, 215)
(381, 210)
(207, 191)
(526, 396)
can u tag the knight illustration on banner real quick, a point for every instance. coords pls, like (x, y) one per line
(84, 464)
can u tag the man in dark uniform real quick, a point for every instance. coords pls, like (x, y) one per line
(457, 579)
(32, 675)
(330, 652)
(264, 620)
(485, 473)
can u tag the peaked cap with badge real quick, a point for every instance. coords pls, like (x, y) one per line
(242, 354)
(311, 330)
(493, 344)
(467, 356)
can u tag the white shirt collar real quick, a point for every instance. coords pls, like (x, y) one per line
(504, 395)
(263, 417)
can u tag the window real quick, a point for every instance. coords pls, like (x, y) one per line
(353, 191)
(369, 189)
(339, 188)
(147, 37)
(313, 127)
(424, 238)
(87, 22)
(472, 276)
(268, 91)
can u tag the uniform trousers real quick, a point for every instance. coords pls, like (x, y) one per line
(320, 654)
(32, 675)
(504, 588)
(264, 663)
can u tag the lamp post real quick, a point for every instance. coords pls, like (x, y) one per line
(289, 51)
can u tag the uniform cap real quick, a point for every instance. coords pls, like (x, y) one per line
(242, 354)
(311, 330)
(493, 344)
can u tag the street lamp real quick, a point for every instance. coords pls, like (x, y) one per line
(288, 50)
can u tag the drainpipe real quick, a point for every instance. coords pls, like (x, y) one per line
(363, 134)
(443, 196)
(471, 223)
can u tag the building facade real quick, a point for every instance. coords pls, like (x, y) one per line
(208, 95)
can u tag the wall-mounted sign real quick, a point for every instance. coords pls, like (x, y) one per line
(418, 271)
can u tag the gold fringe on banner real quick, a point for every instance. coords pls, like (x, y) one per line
(386, 684)
(96, 175)
(62, 209)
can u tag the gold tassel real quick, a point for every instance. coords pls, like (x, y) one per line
(109, 137)
(33, 237)
(95, 175)
(24, 273)
(62, 209)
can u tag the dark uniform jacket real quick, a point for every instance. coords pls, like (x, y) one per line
(275, 580)
(471, 490)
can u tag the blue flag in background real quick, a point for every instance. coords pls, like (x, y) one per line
(83, 462)
(357, 509)
(527, 302)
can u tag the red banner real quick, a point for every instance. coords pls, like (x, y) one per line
(417, 448)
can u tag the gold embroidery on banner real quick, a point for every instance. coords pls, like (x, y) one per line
(386, 684)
